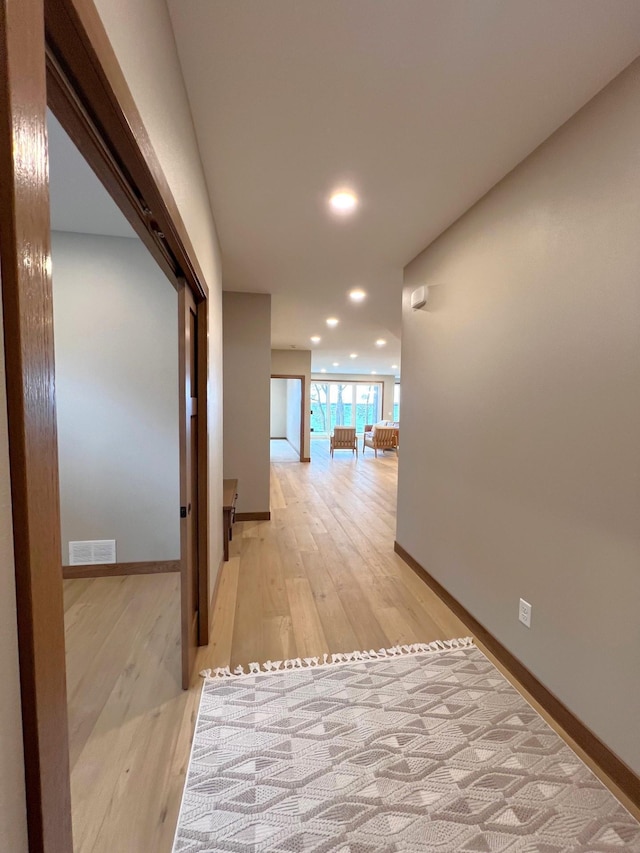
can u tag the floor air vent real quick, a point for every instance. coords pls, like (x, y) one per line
(93, 552)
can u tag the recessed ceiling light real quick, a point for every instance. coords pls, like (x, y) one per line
(336, 364)
(353, 355)
(315, 339)
(357, 295)
(380, 342)
(394, 367)
(332, 322)
(374, 372)
(343, 202)
(324, 370)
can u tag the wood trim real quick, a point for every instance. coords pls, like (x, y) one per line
(33, 452)
(253, 516)
(306, 459)
(81, 58)
(303, 408)
(202, 320)
(109, 570)
(76, 121)
(613, 766)
(189, 533)
(327, 378)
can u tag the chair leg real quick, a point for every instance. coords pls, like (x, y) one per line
(375, 450)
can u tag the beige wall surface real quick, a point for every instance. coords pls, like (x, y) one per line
(278, 427)
(289, 362)
(387, 381)
(13, 819)
(116, 342)
(520, 457)
(153, 73)
(247, 390)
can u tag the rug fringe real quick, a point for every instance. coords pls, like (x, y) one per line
(256, 668)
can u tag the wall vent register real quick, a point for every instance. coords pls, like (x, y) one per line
(92, 552)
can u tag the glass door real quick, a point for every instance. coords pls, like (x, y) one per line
(336, 403)
(368, 405)
(341, 409)
(320, 413)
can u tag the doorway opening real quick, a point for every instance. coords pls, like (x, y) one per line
(287, 418)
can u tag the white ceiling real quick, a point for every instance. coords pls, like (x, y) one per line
(420, 105)
(78, 201)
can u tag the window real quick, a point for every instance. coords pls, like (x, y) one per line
(344, 404)
(396, 401)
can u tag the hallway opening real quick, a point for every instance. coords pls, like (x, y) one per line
(287, 399)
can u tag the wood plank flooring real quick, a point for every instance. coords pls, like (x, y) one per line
(321, 576)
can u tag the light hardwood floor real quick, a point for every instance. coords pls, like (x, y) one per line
(321, 576)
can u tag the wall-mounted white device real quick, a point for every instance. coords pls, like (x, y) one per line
(419, 297)
(524, 612)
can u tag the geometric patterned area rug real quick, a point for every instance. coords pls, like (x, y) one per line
(424, 748)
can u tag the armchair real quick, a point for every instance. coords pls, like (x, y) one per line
(380, 438)
(344, 438)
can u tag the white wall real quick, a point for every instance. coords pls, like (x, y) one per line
(116, 348)
(13, 822)
(294, 400)
(520, 457)
(153, 72)
(247, 346)
(278, 408)
(289, 362)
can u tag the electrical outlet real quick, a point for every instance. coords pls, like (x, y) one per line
(524, 612)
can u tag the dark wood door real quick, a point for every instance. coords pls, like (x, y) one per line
(189, 515)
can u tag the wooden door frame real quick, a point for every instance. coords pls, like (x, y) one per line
(303, 407)
(28, 342)
(189, 639)
(57, 52)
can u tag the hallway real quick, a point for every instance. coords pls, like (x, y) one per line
(322, 576)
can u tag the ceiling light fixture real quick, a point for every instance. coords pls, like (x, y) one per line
(380, 342)
(343, 202)
(324, 370)
(394, 367)
(357, 295)
(374, 372)
(332, 322)
(315, 339)
(353, 355)
(336, 364)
